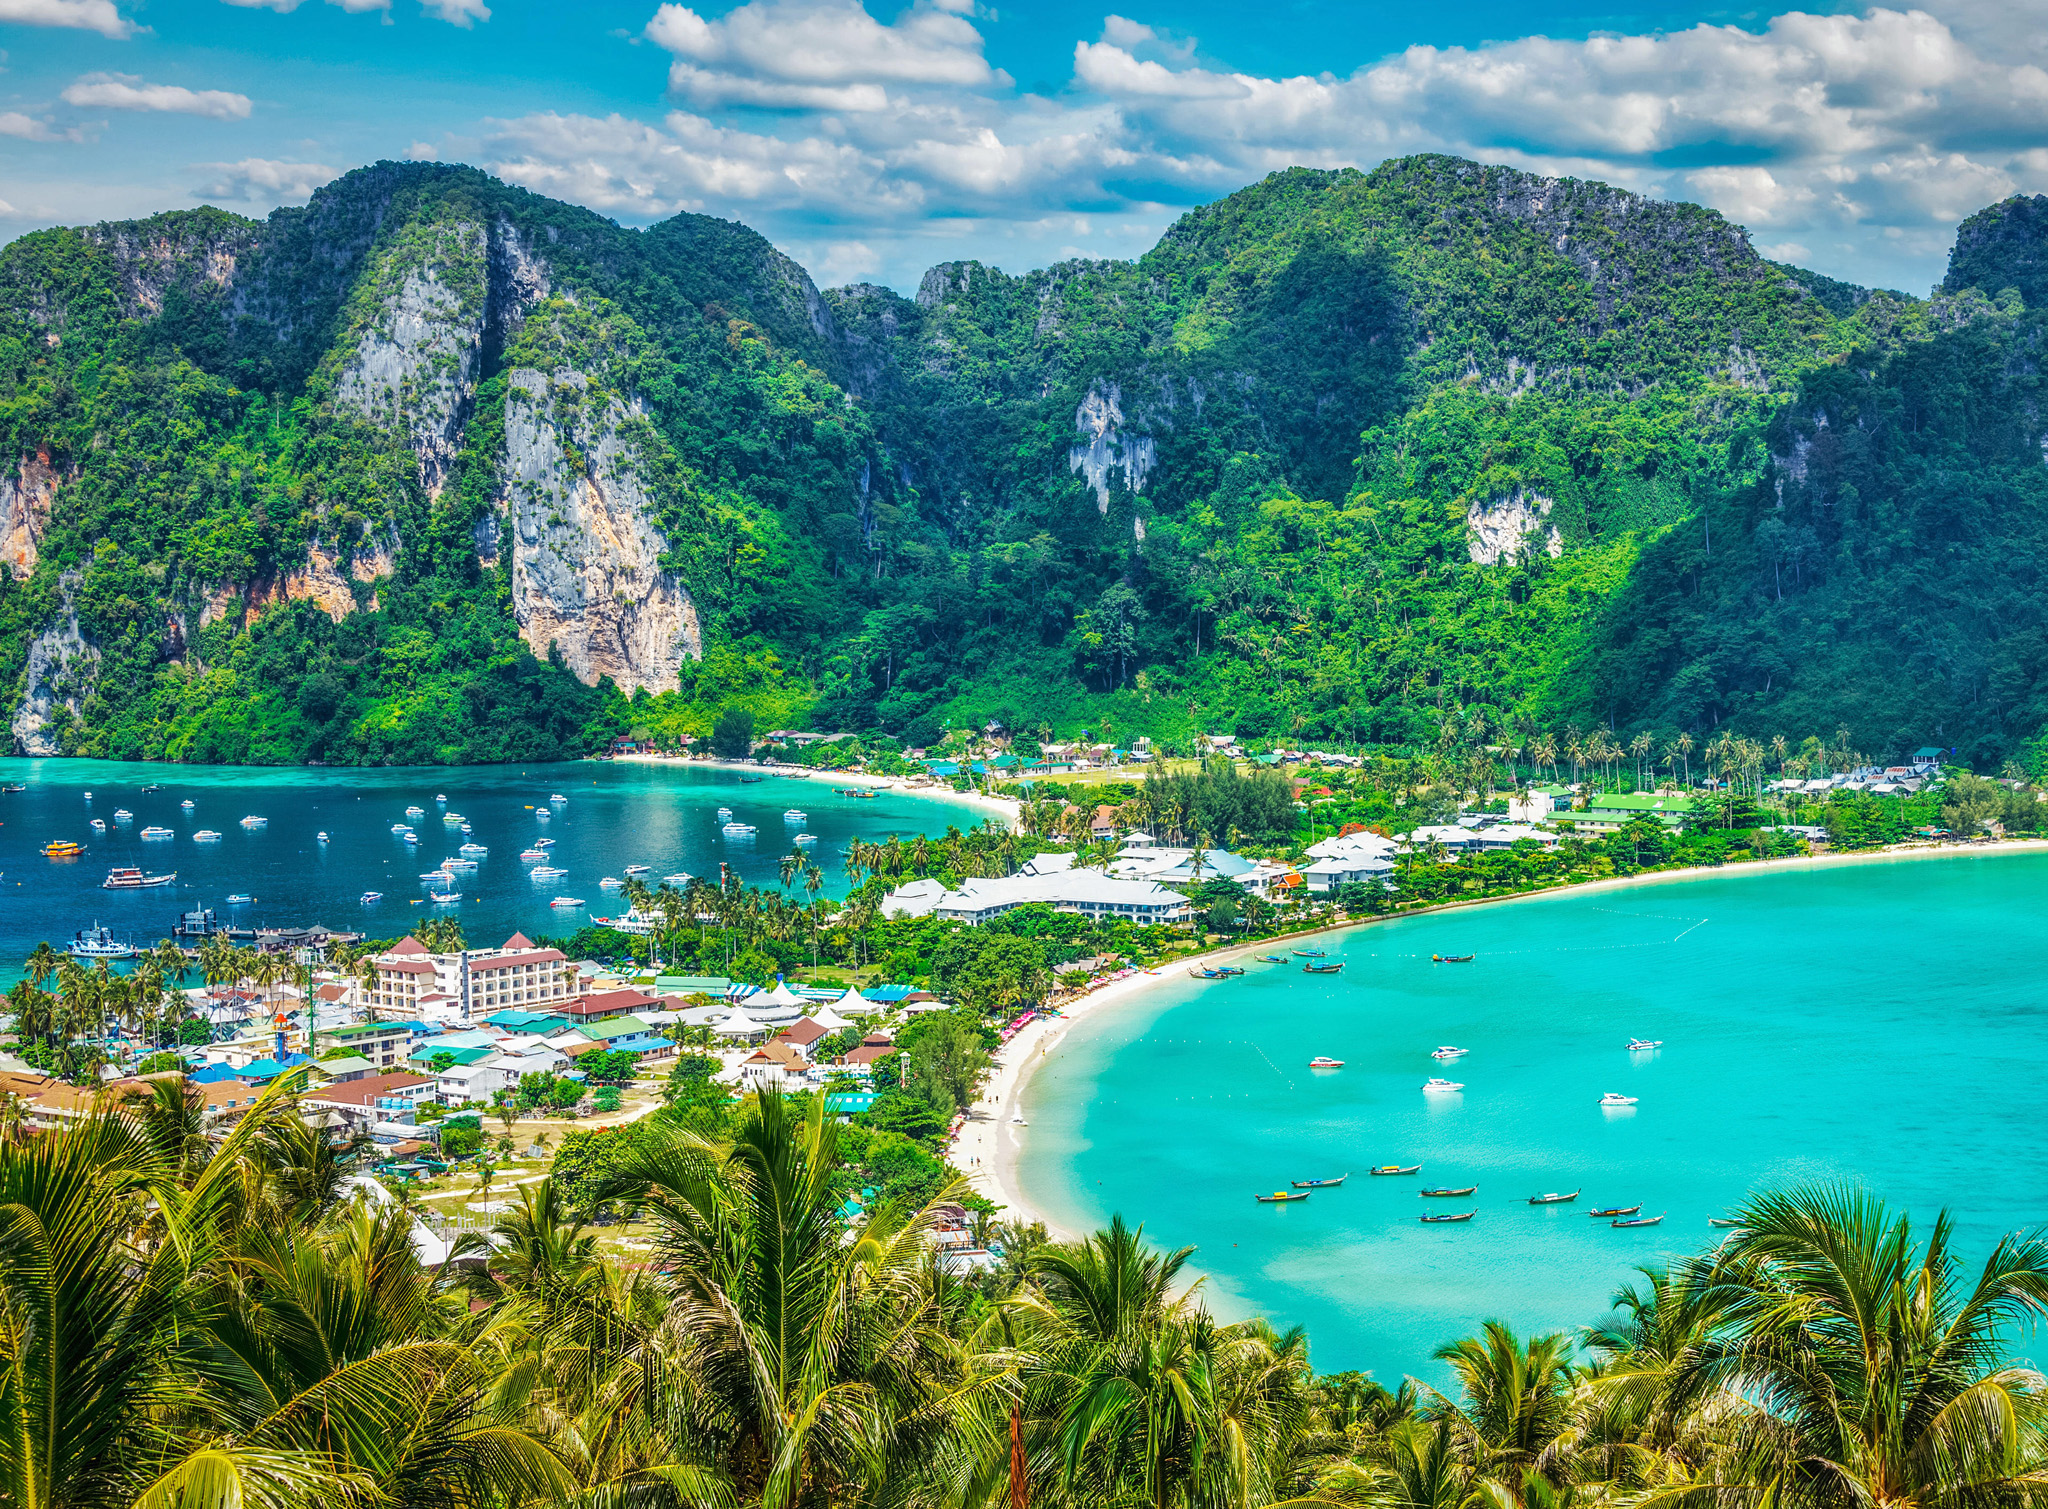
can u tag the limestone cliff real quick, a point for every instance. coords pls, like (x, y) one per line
(62, 670)
(587, 578)
(26, 496)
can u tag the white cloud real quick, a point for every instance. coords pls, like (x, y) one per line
(262, 180)
(124, 91)
(286, 7)
(27, 128)
(463, 13)
(80, 15)
(816, 54)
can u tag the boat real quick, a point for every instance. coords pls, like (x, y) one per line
(1614, 1210)
(443, 876)
(458, 863)
(794, 816)
(409, 837)
(63, 848)
(126, 879)
(188, 804)
(473, 849)
(1320, 1183)
(1270, 958)
(97, 942)
(546, 872)
(1449, 1053)
(255, 822)
(241, 898)
(1448, 1216)
(1612, 1099)
(453, 819)
(1448, 1193)
(1308, 953)
(1643, 1044)
(123, 815)
(1228, 971)
(439, 797)
(533, 854)
(543, 814)
(543, 843)
(558, 797)
(725, 814)
(1553, 1199)
(466, 828)
(738, 830)
(371, 898)
(1280, 1197)
(1205, 974)
(167, 833)
(445, 898)
(1441, 1086)
(97, 825)
(679, 878)
(400, 828)
(1723, 1221)
(807, 838)
(610, 883)
(1637, 1221)
(1334, 966)
(206, 836)
(12, 787)
(567, 901)
(320, 837)
(415, 812)
(1393, 1168)
(1321, 1062)
(638, 869)
(1452, 958)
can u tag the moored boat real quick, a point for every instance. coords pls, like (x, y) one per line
(1270, 958)
(206, 836)
(794, 816)
(1643, 1044)
(611, 883)
(546, 872)
(415, 812)
(129, 879)
(1204, 974)
(638, 869)
(1447, 1216)
(1452, 958)
(63, 848)
(725, 814)
(1448, 1053)
(1331, 967)
(1322, 1061)
(320, 837)
(255, 822)
(1385, 1169)
(97, 942)
(1612, 1099)
(1280, 1197)
(1723, 1221)
(97, 825)
(1319, 1183)
(241, 898)
(681, 877)
(371, 898)
(167, 833)
(1614, 1210)
(1553, 1199)
(188, 804)
(533, 854)
(1638, 1221)
(738, 830)
(558, 797)
(567, 901)
(123, 815)
(473, 850)
(1441, 1086)
(446, 898)
(437, 877)
(1308, 953)
(1447, 1193)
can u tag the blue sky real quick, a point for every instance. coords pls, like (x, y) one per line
(872, 142)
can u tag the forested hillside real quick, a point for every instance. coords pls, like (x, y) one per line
(436, 469)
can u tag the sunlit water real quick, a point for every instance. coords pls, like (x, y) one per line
(663, 816)
(1880, 1022)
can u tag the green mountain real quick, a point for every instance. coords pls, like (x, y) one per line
(436, 469)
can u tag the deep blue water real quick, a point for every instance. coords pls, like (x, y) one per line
(664, 816)
(1885, 1023)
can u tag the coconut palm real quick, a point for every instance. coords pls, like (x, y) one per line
(1516, 1405)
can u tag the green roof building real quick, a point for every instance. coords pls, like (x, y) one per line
(1608, 810)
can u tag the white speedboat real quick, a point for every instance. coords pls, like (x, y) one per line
(1440, 1086)
(123, 815)
(188, 804)
(371, 898)
(725, 814)
(679, 878)
(610, 883)
(542, 813)
(255, 822)
(533, 854)
(458, 864)
(567, 901)
(543, 843)
(794, 816)
(738, 830)
(167, 833)
(98, 825)
(1643, 1044)
(474, 850)
(438, 877)
(415, 812)
(241, 898)
(1611, 1099)
(1449, 1053)
(807, 838)
(638, 869)
(1321, 1061)
(206, 836)
(558, 797)
(545, 872)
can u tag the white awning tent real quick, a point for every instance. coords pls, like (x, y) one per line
(781, 995)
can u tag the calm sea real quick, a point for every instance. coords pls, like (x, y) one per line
(1882, 1022)
(665, 817)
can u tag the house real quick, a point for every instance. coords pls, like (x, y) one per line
(364, 1103)
(1102, 828)
(1609, 810)
(1325, 875)
(383, 1044)
(917, 899)
(773, 1063)
(1927, 761)
(603, 1005)
(1535, 804)
(1090, 893)
(861, 1060)
(804, 1036)
(469, 1084)
(341, 1070)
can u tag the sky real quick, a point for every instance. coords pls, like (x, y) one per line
(871, 141)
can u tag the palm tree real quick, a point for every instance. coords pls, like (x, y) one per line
(1515, 1408)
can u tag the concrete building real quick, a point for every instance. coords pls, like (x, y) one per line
(1608, 810)
(414, 982)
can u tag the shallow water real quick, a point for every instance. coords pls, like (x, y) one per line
(1882, 1022)
(663, 816)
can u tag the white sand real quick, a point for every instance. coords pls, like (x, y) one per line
(991, 806)
(991, 1144)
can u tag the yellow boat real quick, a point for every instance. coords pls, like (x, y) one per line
(63, 848)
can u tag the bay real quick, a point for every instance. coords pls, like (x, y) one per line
(1881, 1023)
(618, 813)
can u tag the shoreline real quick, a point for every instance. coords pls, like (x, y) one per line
(994, 806)
(991, 1136)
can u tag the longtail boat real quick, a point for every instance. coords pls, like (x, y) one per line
(1450, 1215)
(1393, 1168)
(1320, 1183)
(1448, 1194)
(1638, 1221)
(1614, 1210)
(1452, 958)
(1553, 1199)
(1331, 968)
(1279, 1197)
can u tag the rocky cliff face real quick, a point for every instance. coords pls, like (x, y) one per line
(62, 670)
(587, 578)
(2004, 246)
(26, 497)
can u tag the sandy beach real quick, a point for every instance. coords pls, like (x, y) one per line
(998, 807)
(990, 1145)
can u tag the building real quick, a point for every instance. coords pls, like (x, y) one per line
(773, 1063)
(411, 981)
(364, 1103)
(1609, 810)
(471, 1084)
(383, 1044)
(1088, 893)
(586, 1009)
(1536, 804)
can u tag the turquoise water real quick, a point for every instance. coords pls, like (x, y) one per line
(1883, 1022)
(664, 816)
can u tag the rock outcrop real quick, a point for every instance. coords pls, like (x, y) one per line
(25, 500)
(1105, 447)
(1509, 528)
(63, 668)
(587, 578)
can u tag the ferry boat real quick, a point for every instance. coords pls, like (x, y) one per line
(544, 872)
(1320, 1062)
(1280, 1197)
(1642, 1044)
(474, 849)
(206, 836)
(371, 898)
(97, 942)
(1449, 1052)
(794, 816)
(533, 854)
(63, 848)
(123, 815)
(1612, 1099)
(255, 822)
(97, 825)
(567, 901)
(638, 869)
(241, 898)
(129, 879)
(415, 812)
(1441, 1086)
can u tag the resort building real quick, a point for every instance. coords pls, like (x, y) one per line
(383, 1044)
(411, 981)
(364, 1103)
(1608, 810)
